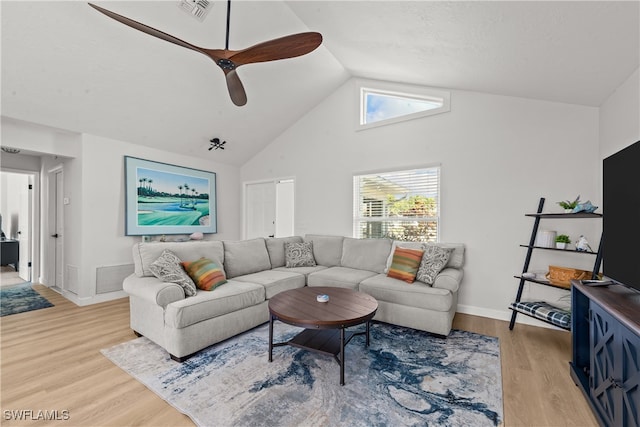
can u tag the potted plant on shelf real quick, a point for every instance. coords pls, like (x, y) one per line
(568, 206)
(562, 241)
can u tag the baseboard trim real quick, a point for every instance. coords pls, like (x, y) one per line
(503, 315)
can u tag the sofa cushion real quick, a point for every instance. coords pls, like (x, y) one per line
(302, 270)
(146, 253)
(206, 274)
(168, 268)
(299, 255)
(245, 257)
(365, 254)
(456, 260)
(418, 294)
(204, 305)
(327, 250)
(405, 264)
(341, 277)
(274, 281)
(275, 247)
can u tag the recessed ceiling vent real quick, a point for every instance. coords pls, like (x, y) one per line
(196, 8)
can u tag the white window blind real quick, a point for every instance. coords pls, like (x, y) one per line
(401, 205)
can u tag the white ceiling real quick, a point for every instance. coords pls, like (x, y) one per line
(67, 66)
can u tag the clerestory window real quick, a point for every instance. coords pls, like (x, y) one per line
(382, 104)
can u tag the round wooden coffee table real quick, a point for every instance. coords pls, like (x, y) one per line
(324, 322)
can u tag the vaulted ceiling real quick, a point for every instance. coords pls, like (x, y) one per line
(67, 66)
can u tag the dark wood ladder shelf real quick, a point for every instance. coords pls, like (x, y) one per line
(515, 306)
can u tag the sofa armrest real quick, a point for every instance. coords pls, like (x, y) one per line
(153, 290)
(449, 278)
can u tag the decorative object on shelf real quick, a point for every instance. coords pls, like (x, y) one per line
(196, 236)
(146, 239)
(584, 207)
(546, 239)
(569, 206)
(582, 244)
(562, 276)
(562, 241)
(168, 199)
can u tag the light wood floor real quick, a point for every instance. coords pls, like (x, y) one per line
(51, 360)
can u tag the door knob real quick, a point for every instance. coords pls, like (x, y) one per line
(55, 235)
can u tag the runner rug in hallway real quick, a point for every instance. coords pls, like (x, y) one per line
(21, 298)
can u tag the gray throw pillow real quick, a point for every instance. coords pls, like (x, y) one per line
(168, 269)
(433, 261)
(299, 255)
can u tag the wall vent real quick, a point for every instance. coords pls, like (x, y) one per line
(109, 278)
(196, 8)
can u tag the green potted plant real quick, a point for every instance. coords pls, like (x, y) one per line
(568, 206)
(562, 241)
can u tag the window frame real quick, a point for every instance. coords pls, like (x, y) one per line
(358, 220)
(403, 91)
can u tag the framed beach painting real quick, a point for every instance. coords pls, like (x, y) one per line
(167, 199)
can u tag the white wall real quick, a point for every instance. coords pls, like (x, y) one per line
(620, 117)
(94, 184)
(102, 202)
(498, 156)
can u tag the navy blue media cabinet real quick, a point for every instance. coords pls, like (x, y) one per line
(606, 351)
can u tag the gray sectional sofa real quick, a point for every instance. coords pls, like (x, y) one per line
(256, 271)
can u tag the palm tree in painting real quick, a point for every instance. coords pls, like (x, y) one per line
(186, 193)
(180, 188)
(150, 181)
(140, 187)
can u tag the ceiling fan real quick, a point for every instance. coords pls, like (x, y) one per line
(229, 60)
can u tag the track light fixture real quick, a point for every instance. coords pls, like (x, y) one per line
(215, 144)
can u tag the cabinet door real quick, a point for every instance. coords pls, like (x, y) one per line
(615, 370)
(630, 377)
(604, 394)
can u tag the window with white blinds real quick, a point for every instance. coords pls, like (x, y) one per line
(400, 205)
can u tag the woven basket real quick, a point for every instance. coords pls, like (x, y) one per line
(562, 276)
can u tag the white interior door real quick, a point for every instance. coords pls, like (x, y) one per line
(55, 221)
(25, 223)
(284, 207)
(260, 209)
(59, 230)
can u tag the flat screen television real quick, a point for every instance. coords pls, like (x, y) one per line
(621, 216)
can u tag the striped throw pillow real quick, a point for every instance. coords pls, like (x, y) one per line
(206, 274)
(405, 263)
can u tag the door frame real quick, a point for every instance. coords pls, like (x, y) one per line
(34, 219)
(49, 252)
(275, 182)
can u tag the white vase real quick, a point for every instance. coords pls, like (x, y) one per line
(561, 245)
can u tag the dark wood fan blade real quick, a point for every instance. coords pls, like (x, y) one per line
(282, 48)
(236, 90)
(149, 30)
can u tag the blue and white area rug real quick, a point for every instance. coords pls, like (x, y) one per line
(406, 377)
(21, 298)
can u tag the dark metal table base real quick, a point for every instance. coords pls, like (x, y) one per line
(326, 341)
